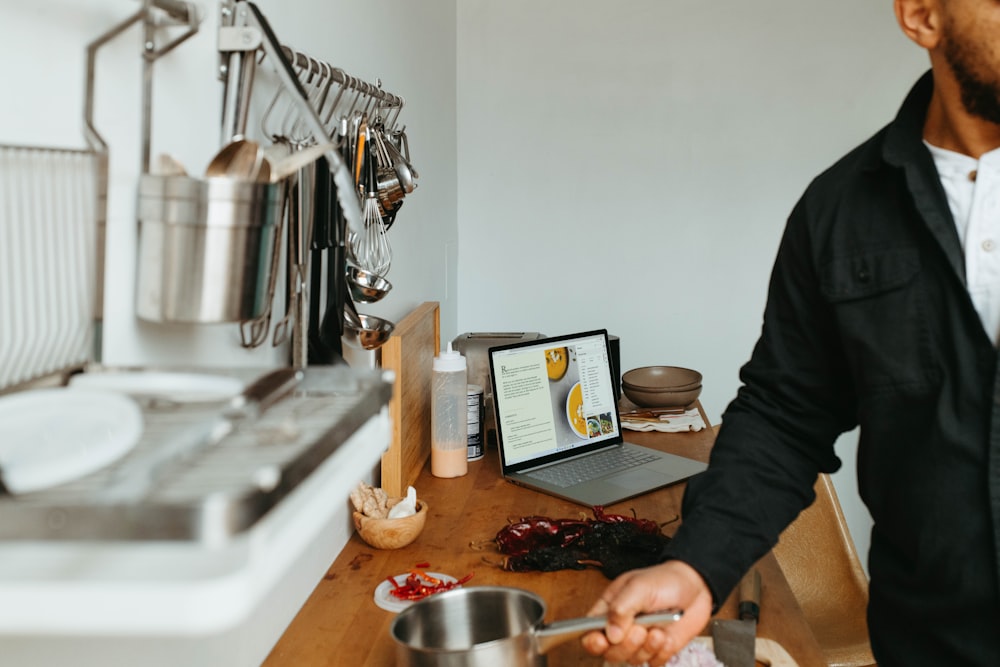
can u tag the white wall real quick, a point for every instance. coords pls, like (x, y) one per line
(630, 165)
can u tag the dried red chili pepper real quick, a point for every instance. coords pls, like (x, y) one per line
(613, 542)
(619, 546)
(546, 559)
(644, 525)
(536, 532)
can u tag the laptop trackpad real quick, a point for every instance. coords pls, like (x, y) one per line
(638, 478)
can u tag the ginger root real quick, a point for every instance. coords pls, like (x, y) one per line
(370, 501)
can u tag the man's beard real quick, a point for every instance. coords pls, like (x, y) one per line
(980, 97)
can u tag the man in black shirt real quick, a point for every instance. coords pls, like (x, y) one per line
(883, 312)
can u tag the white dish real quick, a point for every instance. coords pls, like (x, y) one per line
(167, 385)
(52, 436)
(386, 600)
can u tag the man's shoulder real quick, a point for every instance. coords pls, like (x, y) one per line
(862, 163)
(897, 143)
(851, 188)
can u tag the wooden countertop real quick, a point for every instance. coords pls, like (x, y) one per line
(341, 625)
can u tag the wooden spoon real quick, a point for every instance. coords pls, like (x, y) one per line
(240, 158)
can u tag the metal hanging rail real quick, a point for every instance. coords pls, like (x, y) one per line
(383, 99)
(244, 30)
(249, 31)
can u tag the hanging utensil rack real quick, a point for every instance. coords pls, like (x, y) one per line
(244, 30)
(319, 99)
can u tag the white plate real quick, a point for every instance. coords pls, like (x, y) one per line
(386, 600)
(171, 386)
(52, 436)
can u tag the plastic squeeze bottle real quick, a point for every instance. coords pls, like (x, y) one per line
(449, 415)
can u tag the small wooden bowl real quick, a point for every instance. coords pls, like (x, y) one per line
(391, 533)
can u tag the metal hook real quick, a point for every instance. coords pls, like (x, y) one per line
(300, 63)
(355, 85)
(398, 108)
(266, 117)
(341, 77)
(324, 84)
(299, 133)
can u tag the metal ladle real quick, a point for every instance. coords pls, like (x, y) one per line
(366, 287)
(401, 161)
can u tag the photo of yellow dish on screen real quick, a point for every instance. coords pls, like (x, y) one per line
(556, 362)
(574, 411)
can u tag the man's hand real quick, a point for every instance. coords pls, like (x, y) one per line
(670, 585)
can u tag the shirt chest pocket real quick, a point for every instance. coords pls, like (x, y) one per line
(880, 310)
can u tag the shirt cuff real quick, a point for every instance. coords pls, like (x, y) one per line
(714, 551)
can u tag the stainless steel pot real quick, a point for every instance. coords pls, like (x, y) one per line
(487, 626)
(205, 247)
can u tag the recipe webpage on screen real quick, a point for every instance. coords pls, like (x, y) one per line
(530, 405)
(525, 413)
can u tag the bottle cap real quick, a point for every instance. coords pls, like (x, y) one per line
(449, 361)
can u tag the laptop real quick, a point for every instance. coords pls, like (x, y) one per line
(557, 423)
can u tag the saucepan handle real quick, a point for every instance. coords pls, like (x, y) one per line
(553, 634)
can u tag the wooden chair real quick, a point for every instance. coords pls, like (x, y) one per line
(818, 558)
(817, 555)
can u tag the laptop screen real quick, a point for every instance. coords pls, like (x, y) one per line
(553, 397)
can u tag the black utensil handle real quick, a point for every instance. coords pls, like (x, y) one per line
(317, 352)
(749, 606)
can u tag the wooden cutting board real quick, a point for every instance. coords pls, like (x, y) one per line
(410, 353)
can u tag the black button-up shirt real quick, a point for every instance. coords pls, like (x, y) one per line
(869, 323)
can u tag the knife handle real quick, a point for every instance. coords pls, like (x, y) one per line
(749, 607)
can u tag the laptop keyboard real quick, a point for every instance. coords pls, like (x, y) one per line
(586, 468)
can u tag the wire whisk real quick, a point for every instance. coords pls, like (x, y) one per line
(371, 248)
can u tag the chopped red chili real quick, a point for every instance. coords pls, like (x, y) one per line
(419, 584)
(423, 575)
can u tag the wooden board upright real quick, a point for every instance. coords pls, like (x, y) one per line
(410, 353)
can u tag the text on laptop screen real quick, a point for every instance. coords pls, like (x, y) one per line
(554, 396)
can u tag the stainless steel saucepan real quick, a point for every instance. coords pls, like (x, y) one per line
(487, 626)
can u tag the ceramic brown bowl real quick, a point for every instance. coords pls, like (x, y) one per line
(662, 386)
(661, 398)
(391, 533)
(663, 378)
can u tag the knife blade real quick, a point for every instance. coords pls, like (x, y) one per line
(735, 640)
